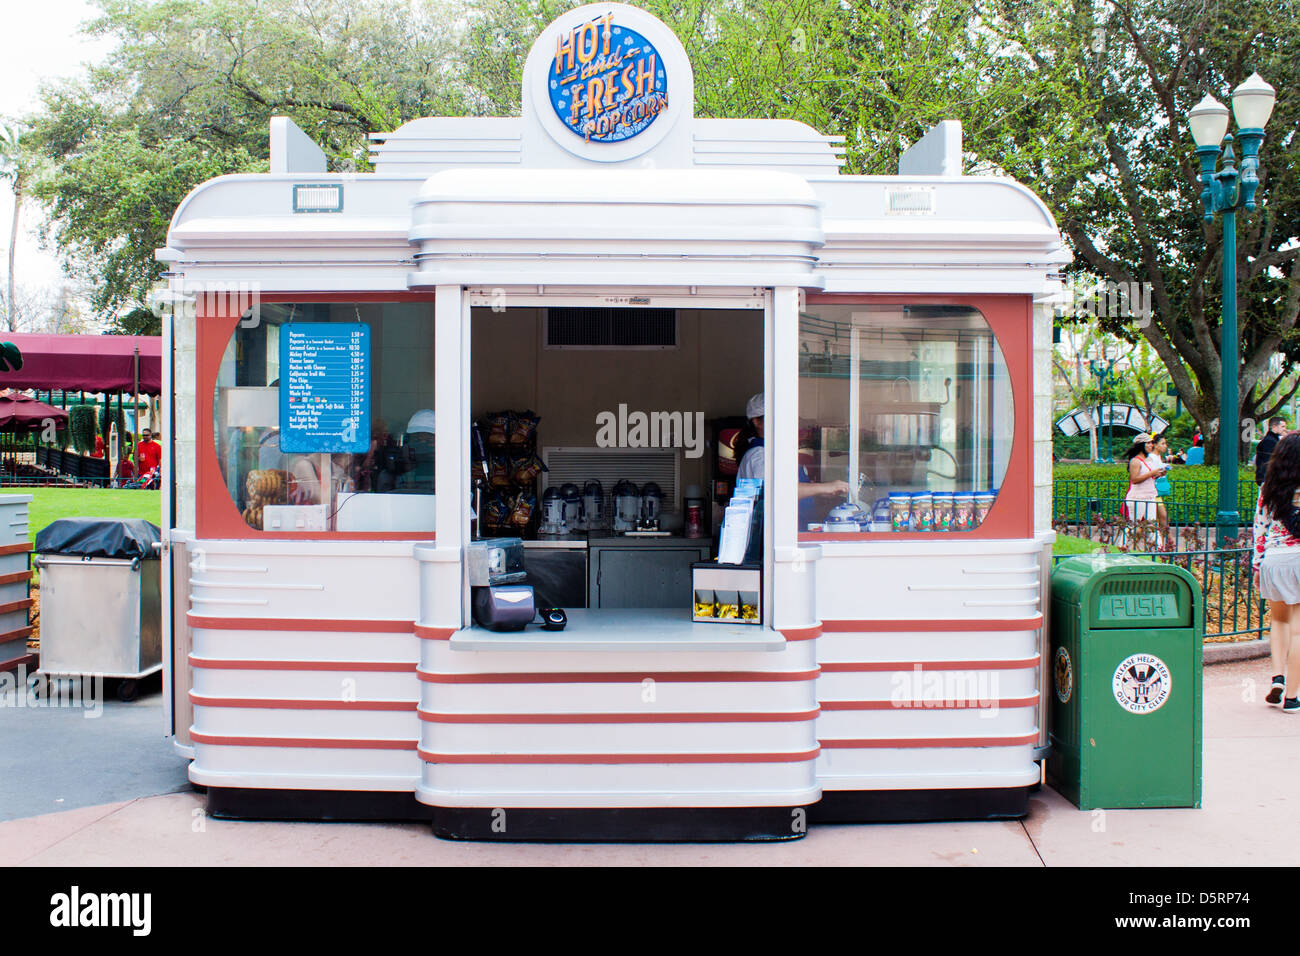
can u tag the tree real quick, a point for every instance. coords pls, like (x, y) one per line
(1127, 196)
(189, 90)
(49, 309)
(14, 168)
(1083, 100)
(1144, 375)
(187, 95)
(1069, 364)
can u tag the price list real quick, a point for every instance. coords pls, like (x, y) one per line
(324, 387)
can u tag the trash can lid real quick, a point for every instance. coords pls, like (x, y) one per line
(99, 537)
(1131, 590)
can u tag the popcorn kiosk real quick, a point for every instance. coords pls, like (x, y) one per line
(442, 436)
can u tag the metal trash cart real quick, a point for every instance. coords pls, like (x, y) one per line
(100, 600)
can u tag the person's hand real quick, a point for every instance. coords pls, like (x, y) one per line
(838, 488)
(1257, 580)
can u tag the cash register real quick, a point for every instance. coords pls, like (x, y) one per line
(500, 598)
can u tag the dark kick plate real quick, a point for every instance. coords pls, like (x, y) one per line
(247, 803)
(919, 806)
(622, 824)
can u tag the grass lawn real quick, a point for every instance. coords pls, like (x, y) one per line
(49, 504)
(1069, 544)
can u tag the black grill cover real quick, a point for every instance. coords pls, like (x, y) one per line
(99, 537)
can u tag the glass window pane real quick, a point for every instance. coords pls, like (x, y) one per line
(388, 487)
(907, 406)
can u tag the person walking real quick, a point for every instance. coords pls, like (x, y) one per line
(1276, 432)
(1142, 499)
(1164, 489)
(1277, 567)
(150, 452)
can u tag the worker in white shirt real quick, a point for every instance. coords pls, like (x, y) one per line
(752, 465)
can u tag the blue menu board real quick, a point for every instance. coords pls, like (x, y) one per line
(324, 387)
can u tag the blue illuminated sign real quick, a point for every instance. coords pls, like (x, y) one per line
(324, 387)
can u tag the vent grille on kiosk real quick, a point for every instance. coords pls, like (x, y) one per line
(609, 466)
(909, 200)
(603, 328)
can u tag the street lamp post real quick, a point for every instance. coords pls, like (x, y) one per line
(1225, 192)
(1104, 370)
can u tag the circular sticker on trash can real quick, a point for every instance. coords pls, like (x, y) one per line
(1064, 674)
(1142, 683)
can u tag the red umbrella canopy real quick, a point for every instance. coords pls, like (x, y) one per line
(19, 412)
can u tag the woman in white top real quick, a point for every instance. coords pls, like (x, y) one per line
(1142, 474)
(1277, 567)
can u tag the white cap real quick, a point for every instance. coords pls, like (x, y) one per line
(754, 409)
(421, 421)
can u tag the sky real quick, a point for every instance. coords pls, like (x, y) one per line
(42, 43)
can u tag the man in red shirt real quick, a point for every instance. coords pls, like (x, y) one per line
(149, 452)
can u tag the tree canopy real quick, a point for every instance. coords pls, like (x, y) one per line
(1128, 199)
(1083, 100)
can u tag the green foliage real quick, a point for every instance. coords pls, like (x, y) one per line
(187, 95)
(1180, 431)
(1070, 446)
(82, 426)
(138, 321)
(112, 197)
(1077, 446)
(110, 413)
(1194, 500)
(1083, 101)
(1116, 472)
(1124, 187)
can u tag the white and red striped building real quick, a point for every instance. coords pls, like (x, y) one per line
(337, 674)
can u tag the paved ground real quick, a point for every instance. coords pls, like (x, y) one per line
(61, 758)
(1251, 813)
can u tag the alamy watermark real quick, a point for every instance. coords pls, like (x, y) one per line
(636, 429)
(20, 689)
(1084, 297)
(79, 908)
(192, 298)
(941, 690)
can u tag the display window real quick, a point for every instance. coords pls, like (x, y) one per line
(323, 417)
(907, 418)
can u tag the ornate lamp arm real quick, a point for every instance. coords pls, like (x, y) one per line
(1209, 156)
(1229, 181)
(1250, 140)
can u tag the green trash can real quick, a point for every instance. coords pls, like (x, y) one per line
(1126, 665)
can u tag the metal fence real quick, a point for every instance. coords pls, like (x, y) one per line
(1082, 501)
(25, 461)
